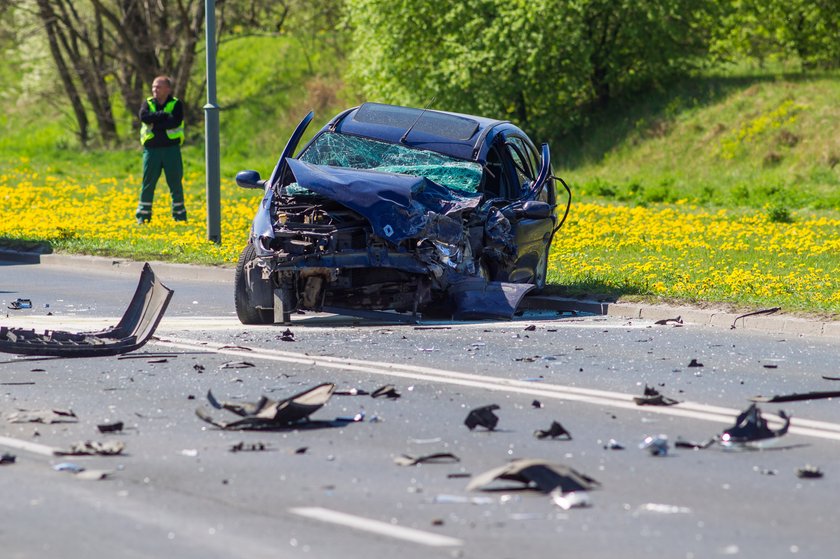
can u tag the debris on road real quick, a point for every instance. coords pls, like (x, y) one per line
(751, 427)
(6, 459)
(436, 458)
(270, 414)
(115, 427)
(694, 363)
(613, 444)
(92, 448)
(665, 321)
(556, 431)
(655, 445)
(797, 397)
(68, 467)
(693, 445)
(762, 311)
(809, 472)
(536, 404)
(351, 392)
(42, 416)
(20, 304)
(388, 391)
(236, 365)
(242, 446)
(483, 417)
(535, 474)
(571, 499)
(652, 397)
(134, 329)
(287, 336)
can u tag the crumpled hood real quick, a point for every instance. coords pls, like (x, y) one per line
(395, 205)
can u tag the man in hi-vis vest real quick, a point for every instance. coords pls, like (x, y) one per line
(161, 134)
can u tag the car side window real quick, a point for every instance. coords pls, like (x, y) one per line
(523, 161)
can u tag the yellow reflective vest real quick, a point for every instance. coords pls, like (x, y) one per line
(146, 133)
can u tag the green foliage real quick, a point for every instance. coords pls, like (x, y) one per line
(536, 62)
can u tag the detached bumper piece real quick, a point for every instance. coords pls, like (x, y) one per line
(136, 326)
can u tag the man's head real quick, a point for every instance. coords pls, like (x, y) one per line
(161, 88)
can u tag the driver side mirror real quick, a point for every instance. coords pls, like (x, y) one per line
(249, 179)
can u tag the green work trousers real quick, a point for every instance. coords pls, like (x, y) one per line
(168, 160)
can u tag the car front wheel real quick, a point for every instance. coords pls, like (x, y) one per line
(246, 309)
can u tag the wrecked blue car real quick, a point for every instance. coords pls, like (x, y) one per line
(392, 208)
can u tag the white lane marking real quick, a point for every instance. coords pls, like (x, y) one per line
(27, 446)
(375, 526)
(693, 410)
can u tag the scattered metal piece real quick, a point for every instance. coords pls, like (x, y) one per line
(655, 445)
(388, 391)
(242, 446)
(92, 448)
(694, 363)
(236, 365)
(287, 336)
(436, 458)
(537, 474)
(750, 427)
(652, 397)
(666, 321)
(351, 392)
(571, 499)
(134, 329)
(6, 459)
(809, 472)
(115, 427)
(556, 431)
(613, 444)
(797, 397)
(483, 417)
(762, 311)
(42, 416)
(270, 414)
(20, 304)
(694, 445)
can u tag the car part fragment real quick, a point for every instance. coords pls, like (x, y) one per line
(270, 414)
(92, 448)
(797, 397)
(535, 474)
(556, 431)
(656, 446)
(750, 427)
(42, 416)
(436, 458)
(482, 416)
(134, 329)
(652, 397)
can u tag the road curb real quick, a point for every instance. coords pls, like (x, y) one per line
(716, 318)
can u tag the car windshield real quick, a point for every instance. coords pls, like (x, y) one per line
(355, 152)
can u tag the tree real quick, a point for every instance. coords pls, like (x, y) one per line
(538, 62)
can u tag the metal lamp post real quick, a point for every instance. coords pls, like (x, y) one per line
(211, 130)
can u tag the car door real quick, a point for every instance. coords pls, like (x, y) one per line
(531, 216)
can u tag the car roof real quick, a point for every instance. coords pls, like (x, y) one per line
(454, 134)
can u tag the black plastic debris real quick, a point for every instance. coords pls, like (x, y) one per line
(92, 448)
(531, 328)
(666, 321)
(134, 329)
(199, 368)
(556, 431)
(236, 365)
(535, 474)
(694, 363)
(824, 377)
(655, 445)
(242, 446)
(750, 426)
(270, 414)
(19, 303)
(6, 459)
(287, 336)
(115, 427)
(754, 313)
(42, 416)
(388, 391)
(652, 397)
(436, 458)
(693, 445)
(613, 444)
(483, 417)
(797, 397)
(536, 404)
(809, 472)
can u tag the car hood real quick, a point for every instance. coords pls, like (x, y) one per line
(396, 206)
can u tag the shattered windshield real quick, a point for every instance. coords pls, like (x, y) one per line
(355, 152)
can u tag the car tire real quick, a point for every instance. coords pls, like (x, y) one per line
(245, 309)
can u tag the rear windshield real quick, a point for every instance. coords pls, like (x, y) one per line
(355, 152)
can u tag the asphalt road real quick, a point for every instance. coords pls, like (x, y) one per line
(333, 490)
